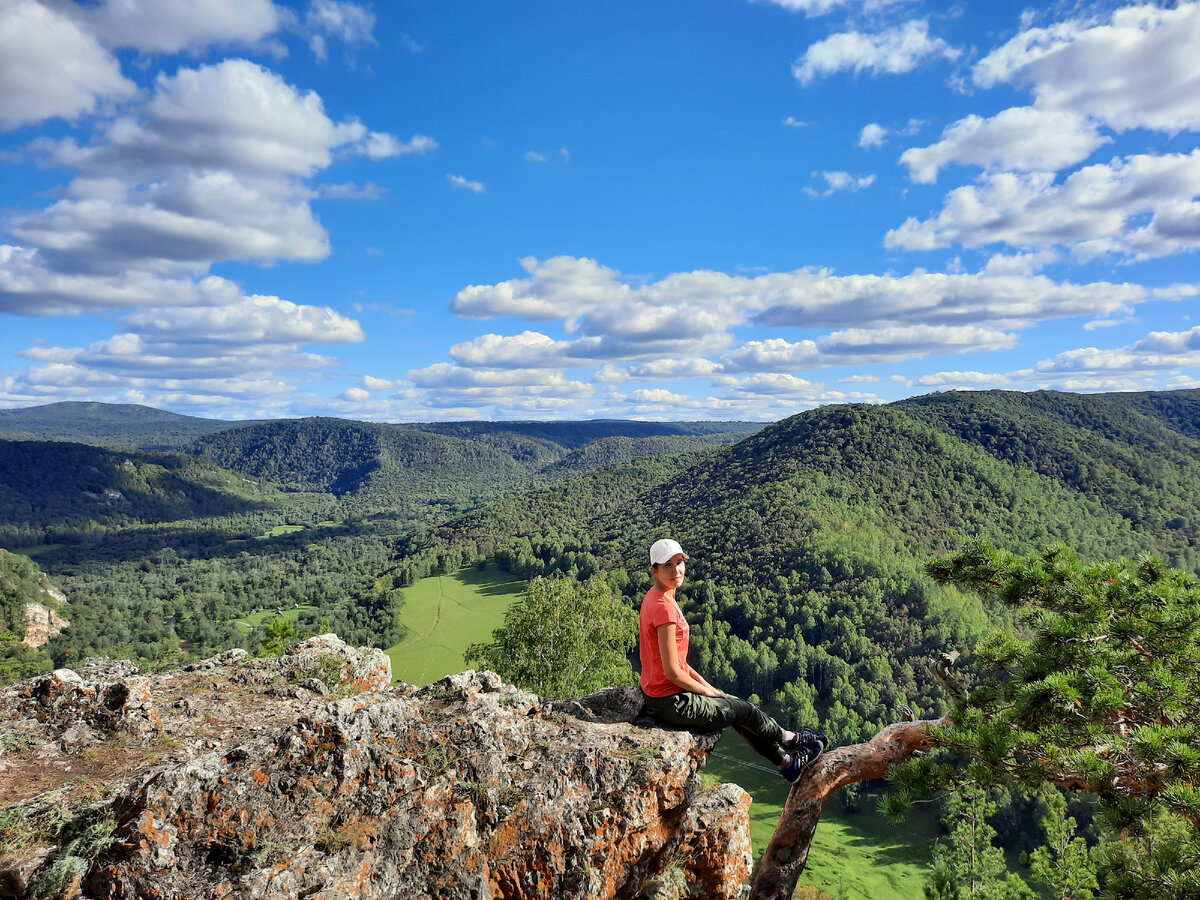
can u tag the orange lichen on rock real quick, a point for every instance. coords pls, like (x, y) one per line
(467, 788)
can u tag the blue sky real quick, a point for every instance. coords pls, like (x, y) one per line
(663, 209)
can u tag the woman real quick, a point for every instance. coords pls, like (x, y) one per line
(676, 694)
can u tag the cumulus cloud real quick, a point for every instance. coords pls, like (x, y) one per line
(1139, 207)
(199, 356)
(378, 145)
(872, 135)
(209, 168)
(1137, 69)
(682, 327)
(462, 183)
(50, 66)
(813, 8)
(701, 307)
(891, 52)
(349, 22)
(818, 299)
(684, 314)
(1159, 350)
(1137, 366)
(257, 319)
(172, 26)
(450, 386)
(371, 383)
(839, 181)
(1025, 138)
(865, 346)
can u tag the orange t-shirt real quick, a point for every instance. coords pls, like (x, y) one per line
(659, 609)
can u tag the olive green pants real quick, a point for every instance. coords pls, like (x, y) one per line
(715, 713)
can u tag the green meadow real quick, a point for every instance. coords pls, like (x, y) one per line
(290, 614)
(854, 856)
(443, 615)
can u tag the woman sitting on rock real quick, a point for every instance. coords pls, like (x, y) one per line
(676, 694)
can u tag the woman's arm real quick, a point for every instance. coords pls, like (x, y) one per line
(674, 671)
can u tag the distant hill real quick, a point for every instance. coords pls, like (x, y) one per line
(345, 457)
(51, 490)
(613, 451)
(574, 435)
(447, 460)
(117, 425)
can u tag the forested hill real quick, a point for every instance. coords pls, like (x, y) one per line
(574, 435)
(118, 425)
(807, 538)
(455, 460)
(57, 490)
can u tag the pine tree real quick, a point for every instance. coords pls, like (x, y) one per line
(1065, 863)
(968, 865)
(1099, 692)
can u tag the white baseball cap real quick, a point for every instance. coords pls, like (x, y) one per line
(663, 550)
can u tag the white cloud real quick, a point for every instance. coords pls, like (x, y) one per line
(1136, 70)
(193, 356)
(824, 7)
(818, 299)
(656, 369)
(349, 22)
(782, 392)
(171, 26)
(865, 346)
(208, 168)
(356, 394)
(257, 319)
(462, 183)
(378, 145)
(50, 66)
(533, 157)
(793, 122)
(1158, 351)
(695, 311)
(29, 287)
(1142, 365)
(371, 383)
(450, 386)
(351, 191)
(840, 181)
(530, 349)
(1139, 207)
(872, 135)
(892, 52)
(1026, 138)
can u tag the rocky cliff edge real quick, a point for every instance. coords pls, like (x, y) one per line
(310, 776)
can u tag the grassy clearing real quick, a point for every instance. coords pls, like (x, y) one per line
(34, 552)
(290, 613)
(443, 614)
(855, 856)
(278, 530)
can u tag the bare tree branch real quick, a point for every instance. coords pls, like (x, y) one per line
(787, 854)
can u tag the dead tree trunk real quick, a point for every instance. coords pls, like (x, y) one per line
(786, 855)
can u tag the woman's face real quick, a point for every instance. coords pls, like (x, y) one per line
(669, 575)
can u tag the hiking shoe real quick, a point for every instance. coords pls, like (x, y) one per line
(796, 762)
(803, 741)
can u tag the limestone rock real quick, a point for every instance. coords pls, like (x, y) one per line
(467, 788)
(41, 624)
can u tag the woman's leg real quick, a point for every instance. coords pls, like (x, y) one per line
(714, 713)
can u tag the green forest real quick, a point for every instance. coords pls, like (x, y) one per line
(809, 538)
